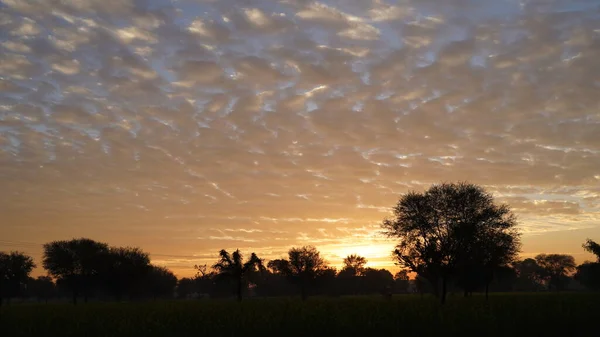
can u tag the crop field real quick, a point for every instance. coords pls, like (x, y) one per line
(572, 314)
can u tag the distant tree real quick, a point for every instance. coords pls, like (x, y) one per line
(588, 274)
(377, 281)
(159, 282)
(593, 248)
(530, 276)
(401, 281)
(303, 266)
(42, 288)
(15, 268)
(449, 229)
(123, 270)
(233, 267)
(186, 287)
(556, 269)
(76, 264)
(354, 264)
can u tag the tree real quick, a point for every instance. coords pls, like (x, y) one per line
(159, 282)
(593, 248)
(233, 267)
(123, 270)
(303, 266)
(377, 281)
(530, 276)
(42, 287)
(589, 272)
(450, 229)
(76, 263)
(556, 268)
(354, 264)
(401, 282)
(15, 268)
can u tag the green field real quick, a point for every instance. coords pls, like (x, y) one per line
(409, 315)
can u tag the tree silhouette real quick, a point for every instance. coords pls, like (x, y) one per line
(159, 282)
(451, 229)
(233, 267)
(15, 268)
(42, 287)
(588, 273)
(530, 276)
(555, 269)
(401, 281)
(124, 268)
(593, 248)
(303, 266)
(354, 264)
(75, 263)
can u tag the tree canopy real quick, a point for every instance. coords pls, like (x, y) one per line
(15, 268)
(233, 266)
(451, 230)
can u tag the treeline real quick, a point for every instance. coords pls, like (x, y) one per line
(86, 269)
(453, 237)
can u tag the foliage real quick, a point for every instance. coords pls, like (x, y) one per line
(354, 265)
(555, 269)
(15, 268)
(233, 267)
(593, 248)
(123, 270)
(42, 288)
(451, 230)
(76, 263)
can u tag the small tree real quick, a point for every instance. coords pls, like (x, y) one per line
(354, 264)
(302, 267)
(233, 267)
(556, 268)
(401, 281)
(43, 288)
(305, 265)
(15, 268)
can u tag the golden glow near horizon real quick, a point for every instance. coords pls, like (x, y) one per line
(184, 127)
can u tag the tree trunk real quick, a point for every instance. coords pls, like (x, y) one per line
(75, 297)
(239, 290)
(1, 300)
(466, 293)
(487, 291)
(444, 289)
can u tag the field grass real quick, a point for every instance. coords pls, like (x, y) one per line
(503, 315)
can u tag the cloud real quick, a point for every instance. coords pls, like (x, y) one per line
(288, 117)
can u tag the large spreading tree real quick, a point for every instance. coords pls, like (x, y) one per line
(453, 231)
(76, 263)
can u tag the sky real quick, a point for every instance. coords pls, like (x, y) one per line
(185, 127)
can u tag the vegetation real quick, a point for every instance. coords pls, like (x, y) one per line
(547, 314)
(453, 232)
(452, 238)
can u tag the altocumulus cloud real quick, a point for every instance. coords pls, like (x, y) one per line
(188, 126)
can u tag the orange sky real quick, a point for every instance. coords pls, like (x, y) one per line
(189, 127)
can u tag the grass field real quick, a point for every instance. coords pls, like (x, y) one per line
(503, 315)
